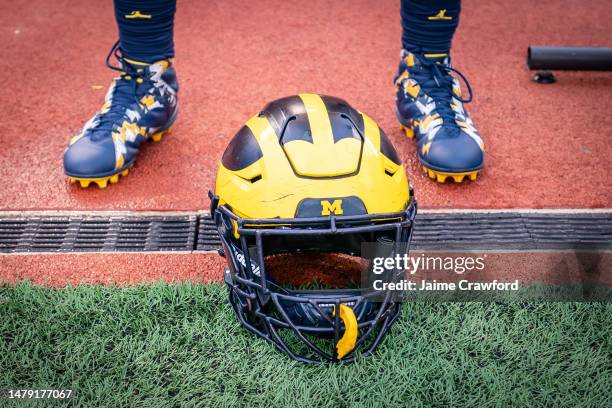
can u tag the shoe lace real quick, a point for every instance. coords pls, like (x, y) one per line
(436, 81)
(128, 88)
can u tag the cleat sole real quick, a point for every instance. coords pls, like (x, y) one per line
(407, 131)
(101, 182)
(441, 177)
(158, 136)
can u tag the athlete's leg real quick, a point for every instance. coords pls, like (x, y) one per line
(146, 29)
(428, 97)
(428, 26)
(141, 103)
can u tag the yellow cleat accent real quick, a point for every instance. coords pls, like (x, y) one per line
(158, 136)
(441, 177)
(425, 148)
(101, 182)
(409, 132)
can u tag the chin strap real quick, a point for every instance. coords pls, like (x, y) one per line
(347, 343)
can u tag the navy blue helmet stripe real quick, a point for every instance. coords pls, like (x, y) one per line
(340, 106)
(282, 111)
(242, 151)
(386, 148)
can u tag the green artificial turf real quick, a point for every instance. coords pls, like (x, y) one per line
(179, 345)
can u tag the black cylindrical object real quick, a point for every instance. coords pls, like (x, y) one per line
(570, 58)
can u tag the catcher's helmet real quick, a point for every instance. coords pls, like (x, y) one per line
(310, 174)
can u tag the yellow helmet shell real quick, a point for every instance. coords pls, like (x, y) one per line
(311, 155)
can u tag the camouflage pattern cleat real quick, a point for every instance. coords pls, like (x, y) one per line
(141, 104)
(430, 109)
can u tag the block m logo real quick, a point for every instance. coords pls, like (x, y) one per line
(334, 207)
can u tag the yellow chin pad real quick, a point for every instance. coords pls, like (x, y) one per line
(347, 343)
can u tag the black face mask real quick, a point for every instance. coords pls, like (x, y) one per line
(311, 325)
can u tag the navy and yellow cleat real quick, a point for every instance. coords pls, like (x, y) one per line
(140, 105)
(430, 108)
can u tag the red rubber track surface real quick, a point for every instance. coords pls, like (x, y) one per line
(58, 270)
(547, 146)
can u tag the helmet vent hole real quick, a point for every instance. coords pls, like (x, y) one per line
(389, 172)
(253, 179)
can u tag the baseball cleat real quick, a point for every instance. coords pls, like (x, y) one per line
(141, 104)
(430, 109)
